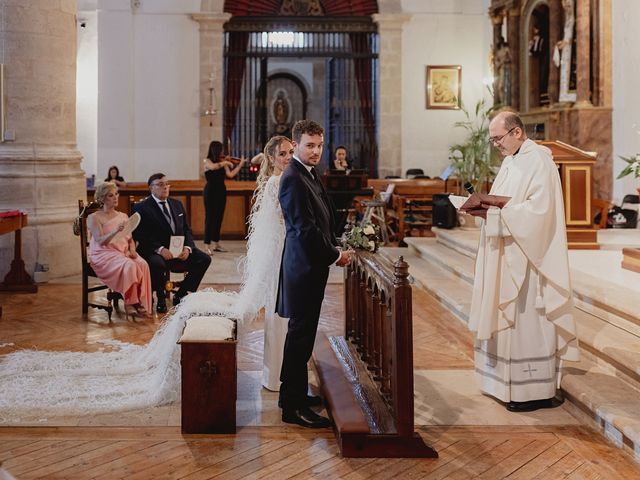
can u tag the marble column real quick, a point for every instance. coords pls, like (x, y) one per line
(513, 29)
(390, 99)
(211, 74)
(39, 161)
(583, 53)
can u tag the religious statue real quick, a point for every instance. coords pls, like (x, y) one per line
(502, 64)
(565, 46)
(539, 50)
(280, 113)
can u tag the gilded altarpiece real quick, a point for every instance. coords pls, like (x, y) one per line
(552, 63)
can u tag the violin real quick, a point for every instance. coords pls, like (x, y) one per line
(231, 159)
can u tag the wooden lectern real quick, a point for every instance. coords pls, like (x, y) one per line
(576, 168)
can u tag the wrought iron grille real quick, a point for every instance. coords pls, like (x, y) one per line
(350, 85)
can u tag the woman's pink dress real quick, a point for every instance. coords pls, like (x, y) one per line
(112, 264)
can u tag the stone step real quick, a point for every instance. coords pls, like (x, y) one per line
(438, 253)
(616, 300)
(608, 402)
(452, 291)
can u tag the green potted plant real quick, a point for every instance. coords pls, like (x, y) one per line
(473, 159)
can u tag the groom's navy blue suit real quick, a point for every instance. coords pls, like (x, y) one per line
(309, 251)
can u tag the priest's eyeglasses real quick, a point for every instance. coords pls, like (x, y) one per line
(499, 139)
(160, 184)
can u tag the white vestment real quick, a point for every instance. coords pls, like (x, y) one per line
(37, 384)
(521, 306)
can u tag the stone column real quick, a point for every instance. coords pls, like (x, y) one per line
(583, 58)
(513, 29)
(211, 74)
(390, 100)
(39, 161)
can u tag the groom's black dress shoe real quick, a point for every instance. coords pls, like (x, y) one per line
(311, 401)
(305, 417)
(533, 405)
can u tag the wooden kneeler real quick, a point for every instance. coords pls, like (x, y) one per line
(366, 376)
(209, 379)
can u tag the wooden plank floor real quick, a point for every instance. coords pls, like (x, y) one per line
(270, 452)
(51, 320)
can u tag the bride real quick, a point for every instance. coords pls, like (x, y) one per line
(39, 383)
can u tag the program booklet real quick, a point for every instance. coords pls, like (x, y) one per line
(176, 244)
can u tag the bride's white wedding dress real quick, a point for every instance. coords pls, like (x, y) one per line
(37, 384)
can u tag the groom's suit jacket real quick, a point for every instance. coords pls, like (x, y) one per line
(309, 246)
(154, 230)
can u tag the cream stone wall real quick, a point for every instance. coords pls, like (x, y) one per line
(40, 170)
(626, 96)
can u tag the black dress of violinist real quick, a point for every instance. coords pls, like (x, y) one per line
(217, 167)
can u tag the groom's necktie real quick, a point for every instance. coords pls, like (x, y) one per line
(165, 210)
(314, 175)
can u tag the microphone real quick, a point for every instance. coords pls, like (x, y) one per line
(468, 187)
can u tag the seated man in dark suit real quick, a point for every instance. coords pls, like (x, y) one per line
(162, 217)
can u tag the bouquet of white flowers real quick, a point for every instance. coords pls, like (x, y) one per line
(366, 237)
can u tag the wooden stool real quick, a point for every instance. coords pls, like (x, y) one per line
(209, 379)
(375, 213)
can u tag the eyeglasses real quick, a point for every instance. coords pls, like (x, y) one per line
(499, 139)
(160, 184)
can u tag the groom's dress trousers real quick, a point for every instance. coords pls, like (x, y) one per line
(309, 251)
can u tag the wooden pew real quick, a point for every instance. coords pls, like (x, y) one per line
(366, 375)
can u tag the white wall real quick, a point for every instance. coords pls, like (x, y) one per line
(147, 109)
(626, 100)
(87, 91)
(443, 32)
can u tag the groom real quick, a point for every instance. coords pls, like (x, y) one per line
(309, 250)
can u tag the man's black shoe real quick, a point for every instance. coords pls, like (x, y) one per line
(161, 307)
(305, 417)
(176, 300)
(311, 401)
(533, 405)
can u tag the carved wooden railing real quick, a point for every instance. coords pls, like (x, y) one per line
(375, 416)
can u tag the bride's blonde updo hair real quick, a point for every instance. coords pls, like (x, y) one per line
(270, 152)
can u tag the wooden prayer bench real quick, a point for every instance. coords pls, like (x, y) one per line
(209, 379)
(366, 376)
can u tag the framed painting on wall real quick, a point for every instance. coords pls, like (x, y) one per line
(444, 87)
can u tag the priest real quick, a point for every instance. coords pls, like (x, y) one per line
(521, 311)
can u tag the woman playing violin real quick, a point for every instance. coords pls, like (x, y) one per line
(217, 167)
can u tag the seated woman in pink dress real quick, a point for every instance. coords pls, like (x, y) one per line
(116, 263)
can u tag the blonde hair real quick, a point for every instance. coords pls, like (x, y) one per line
(270, 152)
(103, 190)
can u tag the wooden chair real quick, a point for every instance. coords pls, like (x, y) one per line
(602, 206)
(84, 210)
